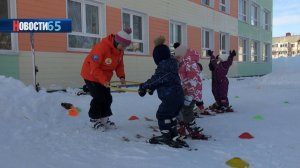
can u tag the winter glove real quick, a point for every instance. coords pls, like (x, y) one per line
(210, 53)
(232, 53)
(150, 92)
(122, 81)
(142, 92)
(188, 100)
(85, 88)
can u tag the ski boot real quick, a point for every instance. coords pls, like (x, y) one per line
(229, 109)
(195, 132)
(181, 129)
(213, 106)
(165, 138)
(108, 124)
(97, 124)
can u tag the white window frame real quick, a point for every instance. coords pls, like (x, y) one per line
(145, 32)
(209, 3)
(14, 36)
(243, 12)
(203, 41)
(266, 52)
(254, 55)
(266, 24)
(254, 15)
(225, 5)
(242, 57)
(102, 23)
(173, 34)
(227, 43)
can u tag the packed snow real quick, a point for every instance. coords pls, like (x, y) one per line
(36, 132)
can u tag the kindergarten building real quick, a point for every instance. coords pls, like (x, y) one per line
(219, 25)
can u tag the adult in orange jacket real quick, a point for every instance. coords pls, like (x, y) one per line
(97, 71)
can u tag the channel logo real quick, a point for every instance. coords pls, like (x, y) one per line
(35, 25)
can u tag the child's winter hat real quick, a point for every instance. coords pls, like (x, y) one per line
(123, 37)
(160, 51)
(176, 44)
(223, 57)
(180, 50)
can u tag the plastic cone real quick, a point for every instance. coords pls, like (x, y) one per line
(237, 162)
(133, 118)
(258, 117)
(246, 135)
(73, 112)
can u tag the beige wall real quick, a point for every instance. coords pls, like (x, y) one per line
(184, 11)
(61, 70)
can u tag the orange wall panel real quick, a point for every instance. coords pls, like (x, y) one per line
(217, 43)
(157, 27)
(195, 1)
(234, 44)
(216, 5)
(113, 20)
(55, 42)
(194, 38)
(234, 9)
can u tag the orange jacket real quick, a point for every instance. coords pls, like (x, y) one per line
(103, 59)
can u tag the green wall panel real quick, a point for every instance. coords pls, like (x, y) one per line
(9, 66)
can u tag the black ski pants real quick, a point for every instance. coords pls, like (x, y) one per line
(101, 101)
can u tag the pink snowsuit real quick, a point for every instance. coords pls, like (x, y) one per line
(189, 72)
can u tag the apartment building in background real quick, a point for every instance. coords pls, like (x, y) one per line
(286, 46)
(219, 25)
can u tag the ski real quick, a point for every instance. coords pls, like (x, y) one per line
(141, 138)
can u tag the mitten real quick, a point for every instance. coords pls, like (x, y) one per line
(142, 92)
(150, 92)
(232, 53)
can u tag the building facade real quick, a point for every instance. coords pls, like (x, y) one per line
(219, 25)
(286, 46)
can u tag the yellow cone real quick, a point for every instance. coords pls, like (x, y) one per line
(237, 163)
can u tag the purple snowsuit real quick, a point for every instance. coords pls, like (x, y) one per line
(219, 80)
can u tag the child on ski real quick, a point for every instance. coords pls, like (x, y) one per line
(189, 72)
(97, 71)
(219, 65)
(167, 83)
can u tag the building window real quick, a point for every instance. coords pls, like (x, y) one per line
(176, 32)
(224, 6)
(137, 22)
(243, 10)
(266, 52)
(5, 38)
(207, 41)
(243, 49)
(209, 3)
(254, 48)
(224, 43)
(254, 15)
(266, 20)
(87, 24)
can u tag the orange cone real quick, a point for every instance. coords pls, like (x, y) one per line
(73, 112)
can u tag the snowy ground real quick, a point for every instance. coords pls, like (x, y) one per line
(36, 132)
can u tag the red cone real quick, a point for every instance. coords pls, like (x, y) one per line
(133, 118)
(246, 135)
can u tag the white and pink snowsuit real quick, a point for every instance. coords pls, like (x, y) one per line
(189, 72)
